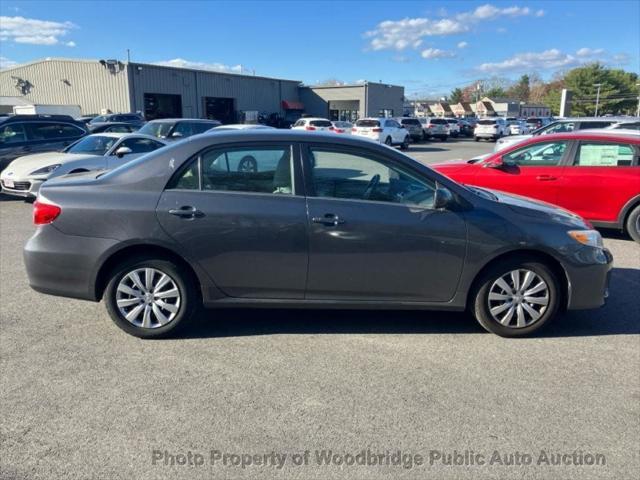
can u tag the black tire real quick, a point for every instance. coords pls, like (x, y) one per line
(405, 143)
(477, 139)
(189, 299)
(479, 301)
(424, 137)
(388, 141)
(632, 225)
(443, 139)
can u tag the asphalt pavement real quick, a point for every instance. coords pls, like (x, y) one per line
(316, 394)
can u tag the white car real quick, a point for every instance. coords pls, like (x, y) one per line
(340, 126)
(383, 130)
(454, 127)
(313, 124)
(490, 129)
(435, 128)
(101, 151)
(563, 125)
(517, 127)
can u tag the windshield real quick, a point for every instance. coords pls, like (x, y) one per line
(92, 145)
(157, 129)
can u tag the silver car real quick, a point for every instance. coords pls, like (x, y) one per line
(101, 151)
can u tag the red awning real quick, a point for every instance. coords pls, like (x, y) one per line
(291, 105)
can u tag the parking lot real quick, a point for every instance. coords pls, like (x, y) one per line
(81, 399)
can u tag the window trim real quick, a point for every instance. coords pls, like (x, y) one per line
(635, 162)
(373, 155)
(297, 187)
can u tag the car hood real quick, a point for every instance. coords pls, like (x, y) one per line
(451, 166)
(537, 208)
(27, 164)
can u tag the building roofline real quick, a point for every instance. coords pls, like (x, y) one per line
(144, 64)
(352, 85)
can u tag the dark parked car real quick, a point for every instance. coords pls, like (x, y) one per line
(178, 128)
(132, 118)
(321, 221)
(114, 127)
(26, 134)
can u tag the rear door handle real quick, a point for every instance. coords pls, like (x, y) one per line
(186, 211)
(329, 219)
(546, 178)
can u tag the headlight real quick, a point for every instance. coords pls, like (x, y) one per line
(590, 238)
(45, 170)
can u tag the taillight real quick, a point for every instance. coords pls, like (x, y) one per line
(332, 128)
(44, 213)
(354, 129)
(338, 130)
(310, 128)
(376, 129)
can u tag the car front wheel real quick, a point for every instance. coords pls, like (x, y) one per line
(405, 143)
(633, 224)
(516, 297)
(151, 298)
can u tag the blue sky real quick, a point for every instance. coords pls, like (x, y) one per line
(429, 47)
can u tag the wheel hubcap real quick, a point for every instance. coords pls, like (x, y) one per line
(148, 298)
(518, 299)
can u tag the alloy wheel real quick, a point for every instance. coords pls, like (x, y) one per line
(148, 298)
(518, 298)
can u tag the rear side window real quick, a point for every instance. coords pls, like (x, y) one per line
(13, 133)
(202, 127)
(252, 170)
(598, 154)
(299, 123)
(410, 121)
(52, 131)
(367, 123)
(588, 125)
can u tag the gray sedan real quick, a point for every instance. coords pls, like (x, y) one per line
(319, 220)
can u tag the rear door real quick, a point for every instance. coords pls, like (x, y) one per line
(240, 212)
(51, 136)
(534, 171)
(373, 231)
(600, 179)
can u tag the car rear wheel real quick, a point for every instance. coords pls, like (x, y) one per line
(151, 298)
(633, 224)
(516, 297)
(388, 141)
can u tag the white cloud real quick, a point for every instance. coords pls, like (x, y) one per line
(431, 53)
(409, 32)
(6, 63)
(216, 67)
(546, 60)
(70, 44)
(540, 13)
(32, 31)
(463, 44)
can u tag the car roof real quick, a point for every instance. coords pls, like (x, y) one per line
(315, 118)
(594, 119)
(242, 126)
(605, 135)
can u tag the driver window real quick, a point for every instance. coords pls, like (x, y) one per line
(538, 154)
(349, 176)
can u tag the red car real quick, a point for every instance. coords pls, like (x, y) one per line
(596, 175)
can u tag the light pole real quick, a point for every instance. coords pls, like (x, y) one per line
(597, 96)
(638, 111)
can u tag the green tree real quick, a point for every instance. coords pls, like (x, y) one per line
(456, 96)
(521, 90)
(495, 92)
(618, 92)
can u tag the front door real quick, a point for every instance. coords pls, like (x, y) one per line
(533, 171)
(236, 212)
(373, 231)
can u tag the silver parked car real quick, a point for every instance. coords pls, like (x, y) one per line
(100, 151)
(324, 221)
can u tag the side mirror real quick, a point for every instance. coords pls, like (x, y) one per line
(443, 198)
(122, 151)
(176, 135)
(495, 163)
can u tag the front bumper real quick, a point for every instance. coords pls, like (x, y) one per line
(27, 187)
(588, 275)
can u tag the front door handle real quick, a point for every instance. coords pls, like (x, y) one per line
(186, 211)
(329, 219)
(546, 178)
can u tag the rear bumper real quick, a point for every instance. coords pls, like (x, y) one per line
(64, 265)
(588, 276)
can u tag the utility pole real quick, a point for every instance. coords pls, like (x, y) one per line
(597, 97)
(638, 111)
(128, 56)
